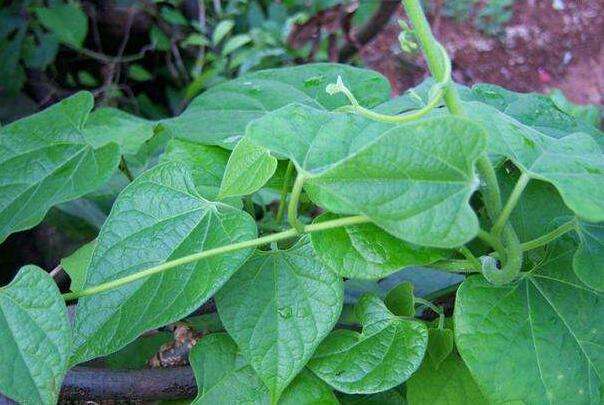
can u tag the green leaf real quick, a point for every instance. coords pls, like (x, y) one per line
(76, 265)
(205, 163)
(366, 251)
(219, 116)
(449, 384)
(537, 340)
(440, 345)
(139, 73)
(278, 308)
(35, 338)
(112, 125)
(136, 355)
(235, 43)
(388, 351)
(223, 375)
(45, 159)
(159, 217)
(574, 164)
(67, 21)
(400, 301)
(308, 389)
(413, 180)
(588, 261)
(221, 30)
(390, 397)
(247, 158)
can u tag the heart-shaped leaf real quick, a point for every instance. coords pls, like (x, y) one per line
(367, 252)
(35, 338)
(388, 351)
(537, 340)
(159, 217)
(219, 116)
(66, 20)
(45, 159)
(278, 308)
(574, 164)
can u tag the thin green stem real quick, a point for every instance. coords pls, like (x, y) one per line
(457, 266)
(550, 236)
(284, 190)
(469, 255)
(292, 208)
(510, 204)
(290, 233)
(435, 308)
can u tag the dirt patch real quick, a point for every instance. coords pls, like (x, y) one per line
(546, 44)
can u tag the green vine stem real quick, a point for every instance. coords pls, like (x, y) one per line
(550, 236)
(290, 233)
(435, 308)
(490, 189)
(292, 208)
(510, 204)
(284, 189)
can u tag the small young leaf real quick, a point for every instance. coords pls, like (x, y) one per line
(248, 169)
(221, 30)
(449, 384)
(588, 261)
(67, 21)
(388, 351)
(292, 299)
(46, 159)
(160, 216)
(139, 73)
(400, 301)
(440, 345)
(553, 321)
(235, 43)
(219, 116)
(76, 265)
(35, 338)
(338, 250)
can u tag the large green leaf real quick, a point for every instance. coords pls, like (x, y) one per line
(367, 252)
(589, 258)
(219, 116)
(537, 340)
(159, 217)
(45, 159)
(35, 338)
(413, 180)
(67, 21)
(448, 384)
(574, 164)
(388, 351)
(224, 377)
(278, 307)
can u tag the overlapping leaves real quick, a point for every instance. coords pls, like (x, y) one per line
(413, 180)
(158, 217)
(537, 340)
(219, 116)
(383, 356)
(292, 299)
